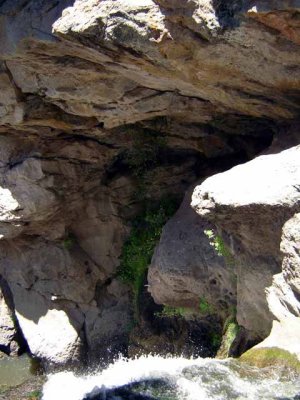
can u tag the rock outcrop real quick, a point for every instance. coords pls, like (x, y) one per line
(107, 104)
(256, 204)
(186, 271)
(284, 294)
(7, 328)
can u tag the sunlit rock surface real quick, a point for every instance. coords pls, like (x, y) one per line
(255, 204)
(283, 295)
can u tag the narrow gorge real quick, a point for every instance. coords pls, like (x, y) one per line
(150, 182)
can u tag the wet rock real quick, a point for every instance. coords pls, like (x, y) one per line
(148, 389)
(108, 322)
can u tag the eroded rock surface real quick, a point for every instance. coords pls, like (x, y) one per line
(7, 327)
(290, 247)
(283, 296)
(84, 85)
(252, 202)
(186, 270)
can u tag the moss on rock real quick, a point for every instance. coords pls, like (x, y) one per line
(230, 332)
(271, 356)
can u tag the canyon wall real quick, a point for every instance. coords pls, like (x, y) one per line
(106, 106)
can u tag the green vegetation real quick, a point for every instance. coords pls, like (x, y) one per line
(138, 249)
(35, 395)
(204, 306)
(215, 339)
(231, 332)
(69, 242)
(219, 246)
(170, 312)
(229, 336)
(271, 356)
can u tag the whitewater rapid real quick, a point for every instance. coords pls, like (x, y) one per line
(192, 379)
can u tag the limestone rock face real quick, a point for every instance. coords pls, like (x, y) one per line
(107, 104)
(283, 295)
(110, 316)
(290, 247)
(186, 270)
(7, 327)
(49, 332)
(252, 203)
(265, 190)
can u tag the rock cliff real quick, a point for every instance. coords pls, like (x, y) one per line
(108, 105)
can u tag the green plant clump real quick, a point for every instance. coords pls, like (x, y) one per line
(69, 242)
(215, 340)
(170, 312)
(230, 334)
(35, 395)
(204, 306)
(219, 246)
(138, 249)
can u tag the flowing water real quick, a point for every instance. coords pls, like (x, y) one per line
(155, 377)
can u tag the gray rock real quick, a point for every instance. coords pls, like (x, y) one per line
(185, 268)
(251, 202)
(283, 296)
(290, 247)
(108, 322)
(50, 333)
(7, 327)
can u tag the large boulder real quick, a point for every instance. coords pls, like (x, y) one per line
(186, 270)
(251, 203)
(53, 334)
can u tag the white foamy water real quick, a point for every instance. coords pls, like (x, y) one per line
(192, 379)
